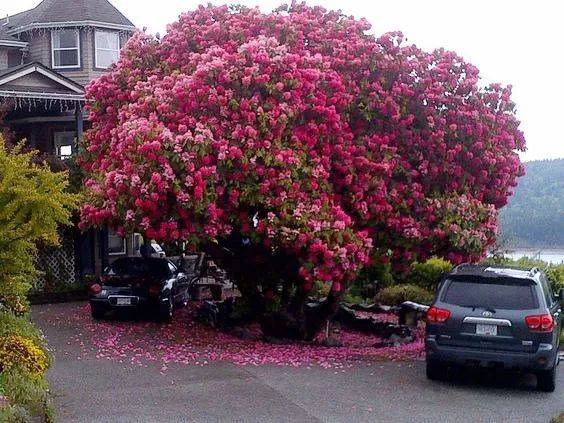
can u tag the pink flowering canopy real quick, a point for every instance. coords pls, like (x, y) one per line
(304, 133)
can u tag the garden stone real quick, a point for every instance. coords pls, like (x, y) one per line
(331, 342)
(242, 333)
(273, 340)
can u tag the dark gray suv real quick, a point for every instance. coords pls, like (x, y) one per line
(498, 317)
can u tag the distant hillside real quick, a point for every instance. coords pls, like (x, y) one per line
(534, 216)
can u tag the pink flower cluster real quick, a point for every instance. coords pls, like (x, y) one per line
(300, 130)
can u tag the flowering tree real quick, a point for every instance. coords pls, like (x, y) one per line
(301, 144)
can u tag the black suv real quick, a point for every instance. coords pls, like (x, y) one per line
(495, 316)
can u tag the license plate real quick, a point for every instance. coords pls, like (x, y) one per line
(488, 330)
(123, 301)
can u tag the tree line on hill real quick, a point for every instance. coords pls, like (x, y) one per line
(534, 216)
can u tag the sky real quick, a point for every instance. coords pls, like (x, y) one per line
(519, 42)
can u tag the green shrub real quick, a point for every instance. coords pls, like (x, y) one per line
(369, 281)
(11, 324)
(320, 290)
(555, 274)
(17, 351)
(353, 299)
(27, 396)
(379, 274)
(21, 348)
(427, 274)
(14, 414)
(397, 294)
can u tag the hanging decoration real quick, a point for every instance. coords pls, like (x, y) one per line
(32, 103)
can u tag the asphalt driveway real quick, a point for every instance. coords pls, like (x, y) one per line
(87, 389)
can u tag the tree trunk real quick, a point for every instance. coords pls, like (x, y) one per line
(301, 322)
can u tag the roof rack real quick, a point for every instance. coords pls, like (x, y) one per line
(534, 271)
(462, 266)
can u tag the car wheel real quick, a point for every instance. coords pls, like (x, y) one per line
(546, 380)
(165, 311)
(435, 370)
(96, 312)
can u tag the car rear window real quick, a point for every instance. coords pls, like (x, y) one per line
(508, 294)
(137, 267)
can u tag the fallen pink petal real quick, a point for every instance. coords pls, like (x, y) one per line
(191, 342)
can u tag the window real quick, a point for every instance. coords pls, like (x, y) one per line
(107, 48)
(64, 144)
(510, 294)
(137, 266)
(65, 45)
(547, 291)
(116, 244)
(137, 242)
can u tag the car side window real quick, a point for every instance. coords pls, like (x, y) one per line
(547, 292)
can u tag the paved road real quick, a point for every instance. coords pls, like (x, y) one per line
(91, 390)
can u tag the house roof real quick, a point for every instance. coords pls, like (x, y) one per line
(49, 13)
(8, 40)
(34, 80)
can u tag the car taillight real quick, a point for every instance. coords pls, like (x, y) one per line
(540, 323)
(437, 315)
(154, 290)
(95, 288)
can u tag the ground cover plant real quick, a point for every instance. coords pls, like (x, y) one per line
(295, 147)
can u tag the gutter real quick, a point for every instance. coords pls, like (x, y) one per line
(71, 24)
(14, 43)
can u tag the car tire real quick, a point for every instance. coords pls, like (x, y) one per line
(546, 380)
(435, 370)
(96, 312)
(165, 311)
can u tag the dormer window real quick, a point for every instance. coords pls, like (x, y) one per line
(107, 48)
(65, 50)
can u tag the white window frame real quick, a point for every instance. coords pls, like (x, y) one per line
(58, 144)
(77, 48)
(124, 245)
(96, 48)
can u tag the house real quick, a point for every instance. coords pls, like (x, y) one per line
(47, 55)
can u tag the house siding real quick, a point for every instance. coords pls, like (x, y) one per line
(15, 57)
(38, 48)
(39, 45)
(3, 59)
(34, 80)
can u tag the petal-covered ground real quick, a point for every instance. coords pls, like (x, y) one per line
(189, 341)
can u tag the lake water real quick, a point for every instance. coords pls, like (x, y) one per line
(551, 256)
